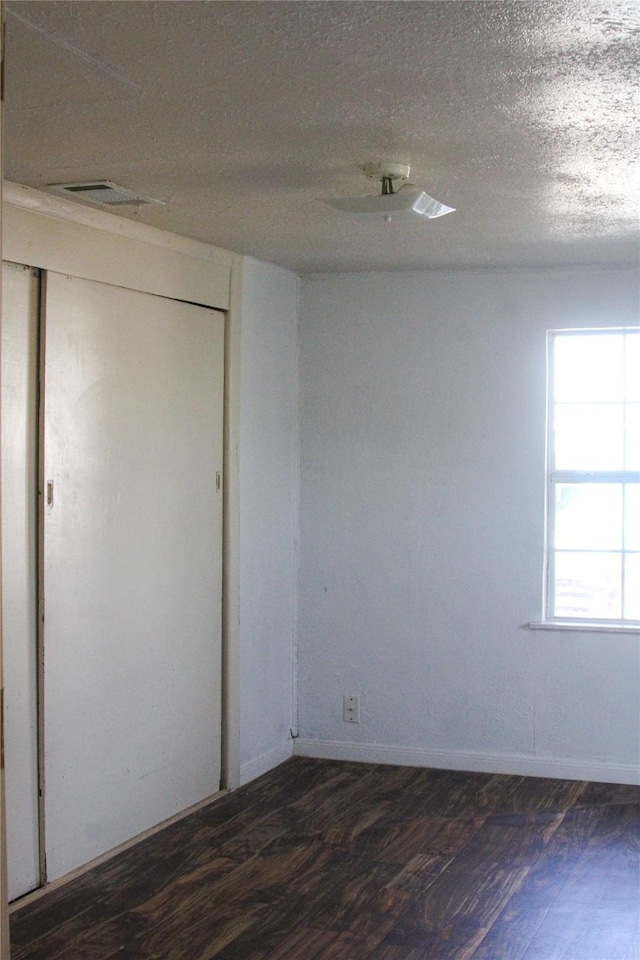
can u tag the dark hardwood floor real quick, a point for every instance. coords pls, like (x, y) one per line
(322, 860)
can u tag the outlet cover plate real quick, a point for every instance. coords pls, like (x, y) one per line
(351, 709)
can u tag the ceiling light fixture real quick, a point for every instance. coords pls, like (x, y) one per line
(406, 204)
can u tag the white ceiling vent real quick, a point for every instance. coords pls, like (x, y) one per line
(104, 192)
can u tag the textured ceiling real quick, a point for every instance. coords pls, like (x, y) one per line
(521, 114)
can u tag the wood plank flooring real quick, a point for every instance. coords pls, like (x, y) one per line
(325, 860)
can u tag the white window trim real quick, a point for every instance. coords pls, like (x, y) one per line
(587, 626)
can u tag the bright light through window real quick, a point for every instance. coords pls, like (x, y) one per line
(593, 523)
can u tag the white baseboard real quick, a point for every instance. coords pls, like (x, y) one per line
(255, 768)
(520, 765)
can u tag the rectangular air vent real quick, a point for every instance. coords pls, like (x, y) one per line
(104, 192)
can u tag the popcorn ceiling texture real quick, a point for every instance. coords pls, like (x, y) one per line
(523, 115)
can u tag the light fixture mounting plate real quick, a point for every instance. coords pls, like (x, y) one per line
(384, 170)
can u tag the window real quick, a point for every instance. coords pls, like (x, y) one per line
(593, 492)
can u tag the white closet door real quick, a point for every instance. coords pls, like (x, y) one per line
(19, 377)
(132, 563)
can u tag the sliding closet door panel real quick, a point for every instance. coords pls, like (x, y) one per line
(132, 563)
(19, 350)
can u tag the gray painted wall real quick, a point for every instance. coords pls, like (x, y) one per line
(268, 458)
(422, 493)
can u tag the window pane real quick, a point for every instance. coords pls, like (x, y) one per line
(632, 376)
(632, 451)
(589, 368)
(588, 516)
(594, 397)
(588, 585)
(632, 587)
(632, 516)
(589, 437)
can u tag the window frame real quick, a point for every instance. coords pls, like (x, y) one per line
(555, 477)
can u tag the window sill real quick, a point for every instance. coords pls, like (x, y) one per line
(585, 626)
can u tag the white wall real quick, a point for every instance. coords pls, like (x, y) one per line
(268, 514)
(422, 490)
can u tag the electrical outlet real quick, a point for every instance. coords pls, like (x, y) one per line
(351, 709)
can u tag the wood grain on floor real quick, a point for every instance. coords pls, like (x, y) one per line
(326, 860)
